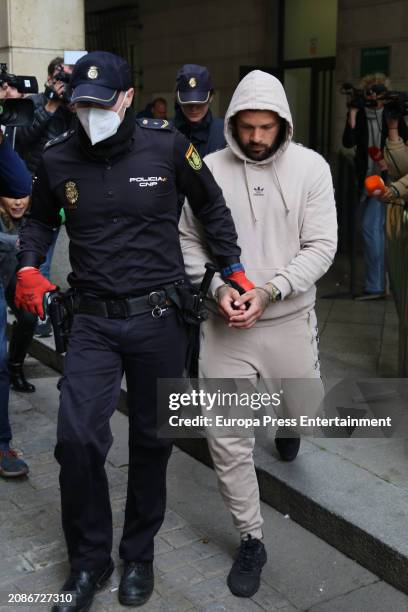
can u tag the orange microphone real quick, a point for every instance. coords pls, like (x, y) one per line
(374, 185)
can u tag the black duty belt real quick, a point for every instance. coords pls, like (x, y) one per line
(155, 302)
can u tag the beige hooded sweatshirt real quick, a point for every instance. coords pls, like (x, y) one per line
(283, 208)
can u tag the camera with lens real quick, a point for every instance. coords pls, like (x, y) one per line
(23, 84)
(363, 98)
(63, 77)
(17, 111)
(395, 102)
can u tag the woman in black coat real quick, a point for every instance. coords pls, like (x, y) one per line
(12, 212)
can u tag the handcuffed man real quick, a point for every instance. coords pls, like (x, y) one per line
(282, 202)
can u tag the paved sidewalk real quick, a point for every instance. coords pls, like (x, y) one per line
(351, 492)
(194, 547)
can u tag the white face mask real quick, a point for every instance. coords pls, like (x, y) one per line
(99, 123)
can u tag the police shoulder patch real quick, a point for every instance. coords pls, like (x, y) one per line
(154, 124)
(61, 138)
(193, 158)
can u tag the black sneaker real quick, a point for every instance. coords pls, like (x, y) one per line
(245, 575)
(287, 443)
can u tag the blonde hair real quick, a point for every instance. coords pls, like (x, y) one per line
(376, 78)
(6, 219)
(5, 216)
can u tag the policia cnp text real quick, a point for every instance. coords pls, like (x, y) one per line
(124, 244)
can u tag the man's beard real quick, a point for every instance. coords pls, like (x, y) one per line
(256, 152)
(260, 152)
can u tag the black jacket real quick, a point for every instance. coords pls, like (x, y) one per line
(121, 212)
(8, 251)
(30, 141)
(358, 137)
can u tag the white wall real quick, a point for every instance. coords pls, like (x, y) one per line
(33, 32)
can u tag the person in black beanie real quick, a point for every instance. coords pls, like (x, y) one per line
(15, 182)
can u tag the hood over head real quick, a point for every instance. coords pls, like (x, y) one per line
(258, 90)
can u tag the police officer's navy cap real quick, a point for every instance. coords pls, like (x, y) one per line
(100, 77)
(194, 84)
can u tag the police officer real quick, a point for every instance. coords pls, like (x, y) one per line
(117, 180)
(193, 118)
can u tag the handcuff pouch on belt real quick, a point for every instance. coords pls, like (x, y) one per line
(60, 308)
(190, 302)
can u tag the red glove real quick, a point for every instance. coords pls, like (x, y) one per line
(240, 279)
(30, 290)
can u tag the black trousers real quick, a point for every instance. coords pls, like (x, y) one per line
(99, 351)
(23, 328)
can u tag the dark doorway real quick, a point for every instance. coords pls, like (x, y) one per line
(309, 88)
(117, 30)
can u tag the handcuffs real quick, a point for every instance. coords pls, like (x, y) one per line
(157, 299)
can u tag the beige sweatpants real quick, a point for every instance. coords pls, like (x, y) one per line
(281, 350)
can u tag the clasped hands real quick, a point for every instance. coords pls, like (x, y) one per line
(242, 311)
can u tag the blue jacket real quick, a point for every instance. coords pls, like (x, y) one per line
(207, 136)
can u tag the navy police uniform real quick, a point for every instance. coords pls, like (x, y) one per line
(122, 222)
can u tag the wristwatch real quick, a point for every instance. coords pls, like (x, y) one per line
(395, 191)
(274, 293)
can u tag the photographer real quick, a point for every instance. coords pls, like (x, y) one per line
(366, 130)
(11, 93)
(52, 116)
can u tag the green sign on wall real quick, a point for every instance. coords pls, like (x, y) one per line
(375, 59)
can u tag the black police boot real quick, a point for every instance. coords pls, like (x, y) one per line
(287, 443)
(20, 339)
(245, 575)
(18, 380)
(136, 584)
(83, 586)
